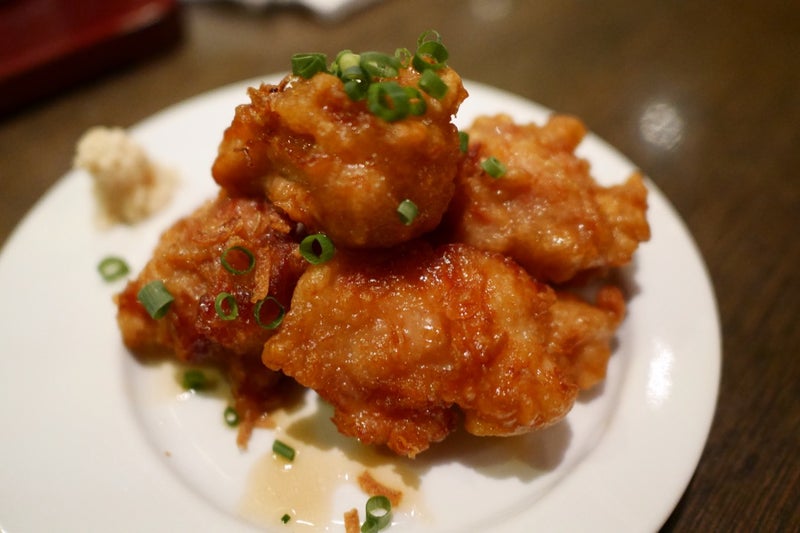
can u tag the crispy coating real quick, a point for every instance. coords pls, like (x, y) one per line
(585, 332)
(404, 343)
(547, 211)
(187, 260)
(334, 166)
(352, 524)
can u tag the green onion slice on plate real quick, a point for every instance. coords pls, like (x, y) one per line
(379, 514)
(284, 450)
(231, 417)
(113, 268)
(195, 380)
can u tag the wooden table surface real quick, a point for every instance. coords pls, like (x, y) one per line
(703, 96)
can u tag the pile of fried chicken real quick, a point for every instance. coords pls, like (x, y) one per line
(464, 315)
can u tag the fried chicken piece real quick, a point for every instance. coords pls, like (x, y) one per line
(546, 211)
(404, 343)
(187, 260)
(585, 331)
(334, 166)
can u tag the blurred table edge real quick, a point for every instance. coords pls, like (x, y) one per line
(42, 57)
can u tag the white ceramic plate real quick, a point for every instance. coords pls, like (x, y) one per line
(94, 441)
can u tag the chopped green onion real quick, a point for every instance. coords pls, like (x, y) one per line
(493, 167)
(432, 84)
(380, 65)
(435, 50)
(356, 82)
(285, 518)
(428, 35)
(403, 55)
(306, 65)
(356, 89)
(431, 53)
(355, 73)
(155, 298)
(195, 380)
(231, 417)
(388, 100)
(358, 72)
(379, 514)
(283, 449)
(345, 60)
(240, 253)
(278, 318)
(463, 141)
(347, 66)
(416, 103)
(317, 248)
(113, 268)
(223, 299)
(407, 211)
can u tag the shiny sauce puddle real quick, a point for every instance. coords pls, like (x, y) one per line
(321, 483)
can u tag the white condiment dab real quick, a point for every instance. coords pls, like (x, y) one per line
(129, 187)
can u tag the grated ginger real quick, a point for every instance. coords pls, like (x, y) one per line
(127, 185)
